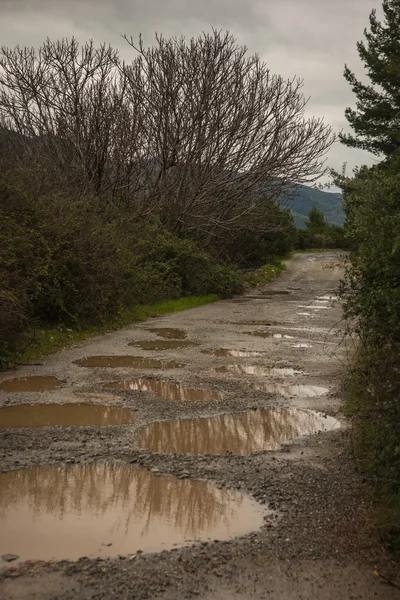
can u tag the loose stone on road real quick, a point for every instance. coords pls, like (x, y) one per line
(220, 471)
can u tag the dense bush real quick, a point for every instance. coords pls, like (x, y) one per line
(78, 262)
(372, 292)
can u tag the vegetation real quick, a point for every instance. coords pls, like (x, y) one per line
(371, 287)
(130, 183)
(376, 121)
(319, 234)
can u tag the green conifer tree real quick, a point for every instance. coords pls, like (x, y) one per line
(376, 120)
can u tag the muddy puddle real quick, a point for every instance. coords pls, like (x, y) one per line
(166, 390)
(137, 362)
(162, 344)
(222, 352)
(258, 370)
(36, 383)
(269, 334)
(291, 391)
(275, 292)
(107, 509)
(241, 433)
(251, 323)
(65, 415)
(169, 333)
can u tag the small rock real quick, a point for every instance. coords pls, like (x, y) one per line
(10, 557)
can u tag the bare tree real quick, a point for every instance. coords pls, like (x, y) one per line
(222, 132)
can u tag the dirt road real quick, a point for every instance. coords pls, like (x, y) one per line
(270, 358)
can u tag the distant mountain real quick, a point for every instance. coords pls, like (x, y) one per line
(303, 198)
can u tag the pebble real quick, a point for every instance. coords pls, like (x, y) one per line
(10, 557)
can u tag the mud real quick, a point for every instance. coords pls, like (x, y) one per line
(222, 352)
(169, 332)
(167, 390)
(162, 344)
(258, 370)
(64, 415)
(316, 543)
(136, 362)
(106, 509)
(35, 383)
(242, 433)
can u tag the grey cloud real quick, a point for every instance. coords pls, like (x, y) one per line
(311, 39)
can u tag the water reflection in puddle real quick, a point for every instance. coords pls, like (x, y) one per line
(268, 334)
(162, 344)
(258, 370)
(251, 323)
(36, 383)
(66, 415)
(289, 391)
(302, 346)
(108, 509)
(233, 353)
(242, 433)
(137, 362)
(166, 390)
(169, 333)
(275, 292)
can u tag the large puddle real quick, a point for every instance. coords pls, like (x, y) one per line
(36, 383)
(251, 323)
(241, 433)
(169, 332)
(291, 391)
(162, 344)
(167, 390)
(258, 370)
(103, 509)
(66, 415)
(137, 362)
(221, 352)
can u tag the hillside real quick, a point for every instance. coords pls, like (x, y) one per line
(304, 198)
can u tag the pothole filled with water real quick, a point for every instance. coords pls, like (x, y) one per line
(252, 323)
(162, 344)
(106, 509)
(65, 415)
(275, 292)
(258, 370)
(35, 383)
(169, 332)
(137, 362)
(241, 433)
(166, 390)
(233, 353)
(291, 391)
(269, 334)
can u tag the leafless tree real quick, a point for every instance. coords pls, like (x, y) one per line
(221, 131)
(196, 132)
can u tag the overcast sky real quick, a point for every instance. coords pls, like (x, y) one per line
(311, 39)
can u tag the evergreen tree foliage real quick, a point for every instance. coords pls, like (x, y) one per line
(376, 120)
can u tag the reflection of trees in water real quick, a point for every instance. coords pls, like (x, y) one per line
(192, 507)
(165, 389)
(242, 433)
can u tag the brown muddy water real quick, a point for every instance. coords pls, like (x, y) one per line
(258, 370)
(241, 433)
(136, 362)
(269, 334)
(221, 352)
(166, 390)
(35, 383)
(291, 391)
(107, 509)
(65, 415)
(169, 333)
(162, 344)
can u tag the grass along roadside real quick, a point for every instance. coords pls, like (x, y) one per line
(38, 342)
